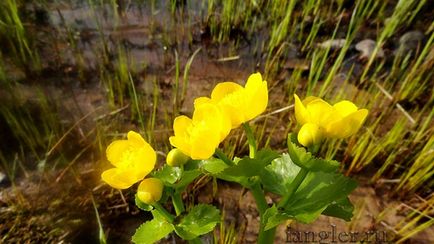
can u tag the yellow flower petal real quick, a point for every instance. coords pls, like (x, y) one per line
(301, 113)
(136, 139)
(207, 113)
(204, 143)
(347, 126)
(309, 134)
(181, 144)
(115, 151)
(226, 125)
(119, 179)
(309, 99)
(235, 116)
(201, 100)
(345, 108)
(223, 89)
(254, 81)
(181, 125)
(215, 119)
(150, 190)
(143, 161)
(257, 96)
(320, 112)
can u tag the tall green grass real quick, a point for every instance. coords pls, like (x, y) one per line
(17, 37)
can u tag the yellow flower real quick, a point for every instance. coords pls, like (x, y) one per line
(133, 160)
(321, 120)
(200, 136)
(241, 104)
(150, 190)
(176, 158)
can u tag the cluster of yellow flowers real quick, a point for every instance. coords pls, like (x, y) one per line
(229, 106)
(197, 138)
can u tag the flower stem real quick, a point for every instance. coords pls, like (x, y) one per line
(259, 196)
(169, 217)
(177, 203)
(264, 237)
(223, 157)
(250, 139)
(293, 187)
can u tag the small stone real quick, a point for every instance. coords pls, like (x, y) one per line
(409, 42)
(367, 47)
(333, 44)
(300, 64)
(3, 179)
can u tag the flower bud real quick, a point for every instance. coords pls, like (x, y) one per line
(176, 158)
(309, 134)
(150, 190)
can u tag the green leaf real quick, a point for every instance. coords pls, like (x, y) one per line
(248, 167)
(316, 193)
(306, 160)
(200, 220)
(152, 231)
(143, 206)
(277, 176)
(192, 164)
(272, 217)
(342, 209)
(168, 175)
(186, 178)
(213, 165)
(266, 155)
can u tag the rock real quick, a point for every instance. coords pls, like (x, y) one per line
(409, 42)
(301, 64)
(4, 181)
(333, 44)
(366, 48)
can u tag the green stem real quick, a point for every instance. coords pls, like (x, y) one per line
(293, 187)
(169, 217)
(223, 157)
(250, 139)
(264, 237)
(177, 203)
(259, 196)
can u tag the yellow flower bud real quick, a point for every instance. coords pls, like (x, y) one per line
(176, 158)
(133, 160)
(341, 120)
(309, 134)
(150, 190)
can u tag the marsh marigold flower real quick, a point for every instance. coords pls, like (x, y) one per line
(200, 136)
(150, 190)
(133, 160)
(321, 120)
(241, 104)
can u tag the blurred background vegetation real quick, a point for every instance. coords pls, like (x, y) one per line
(75, 75)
